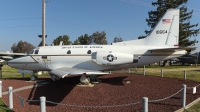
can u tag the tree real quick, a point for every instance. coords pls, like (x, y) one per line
(117, 39)
(97, 38)
(186, 30)
(22, 47)
(64, 38)
(82, 40)
(76, 42)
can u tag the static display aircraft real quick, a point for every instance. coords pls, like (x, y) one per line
(9, 56)
(88, 61)
(5, 56)
(190, 59)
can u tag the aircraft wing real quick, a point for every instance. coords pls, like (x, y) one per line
(65, 71)
(173, 49)
(9, 56)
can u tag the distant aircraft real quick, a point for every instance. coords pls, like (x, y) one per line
(190, 59)
(88, 61)
(1, 60)
(5, 56)
(8, 56)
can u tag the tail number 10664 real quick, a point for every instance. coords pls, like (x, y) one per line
(161, 31)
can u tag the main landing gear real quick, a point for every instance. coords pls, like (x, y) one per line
(84, 80)
(54, 77)
(87, 80)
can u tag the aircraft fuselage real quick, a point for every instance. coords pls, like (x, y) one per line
(80, 56)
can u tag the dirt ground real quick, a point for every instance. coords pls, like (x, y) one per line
(115, 92)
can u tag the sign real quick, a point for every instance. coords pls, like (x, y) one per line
(21, 102)
(194, 90)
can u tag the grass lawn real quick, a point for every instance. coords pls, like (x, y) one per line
(6, 68)
(192, 72)
(194, 108)
(8, 72)
(3, 107)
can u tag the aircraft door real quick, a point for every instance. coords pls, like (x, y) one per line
(46, 57)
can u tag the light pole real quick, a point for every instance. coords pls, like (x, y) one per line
(43, 21)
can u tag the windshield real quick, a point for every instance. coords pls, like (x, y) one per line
(30, 52)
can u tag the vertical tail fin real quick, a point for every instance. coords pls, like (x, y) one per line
(166, 32)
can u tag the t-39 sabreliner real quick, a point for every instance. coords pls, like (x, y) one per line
(89, 61)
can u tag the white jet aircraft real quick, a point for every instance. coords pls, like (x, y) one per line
(92, 60)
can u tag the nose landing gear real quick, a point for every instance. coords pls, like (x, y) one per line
(34, 77)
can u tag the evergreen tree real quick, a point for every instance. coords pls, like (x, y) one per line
(76, 42)
(186, 30)
(82, 40)
(97, 38)
(64, 38)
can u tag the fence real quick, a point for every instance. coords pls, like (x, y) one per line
(182, 74)
(1, 65)
(144, 101)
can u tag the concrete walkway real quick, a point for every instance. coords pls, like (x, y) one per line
(26, 87)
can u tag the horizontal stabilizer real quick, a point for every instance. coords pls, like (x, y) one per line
(174, 49)
(12, 54)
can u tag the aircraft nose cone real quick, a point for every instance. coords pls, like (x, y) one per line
(21, 62)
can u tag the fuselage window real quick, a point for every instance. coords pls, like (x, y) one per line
(68, 52)
(89, 52)
(36, 51)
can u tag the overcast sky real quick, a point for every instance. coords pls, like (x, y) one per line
(22, 19)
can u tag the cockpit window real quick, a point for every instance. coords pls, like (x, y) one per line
(36, 51)
(31, 52)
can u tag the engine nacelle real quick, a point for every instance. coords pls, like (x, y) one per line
(113, 58)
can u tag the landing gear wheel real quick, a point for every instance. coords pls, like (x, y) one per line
(34, 78)
(54, 77)
(85, 80)
(88, 78)
(93, 79)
